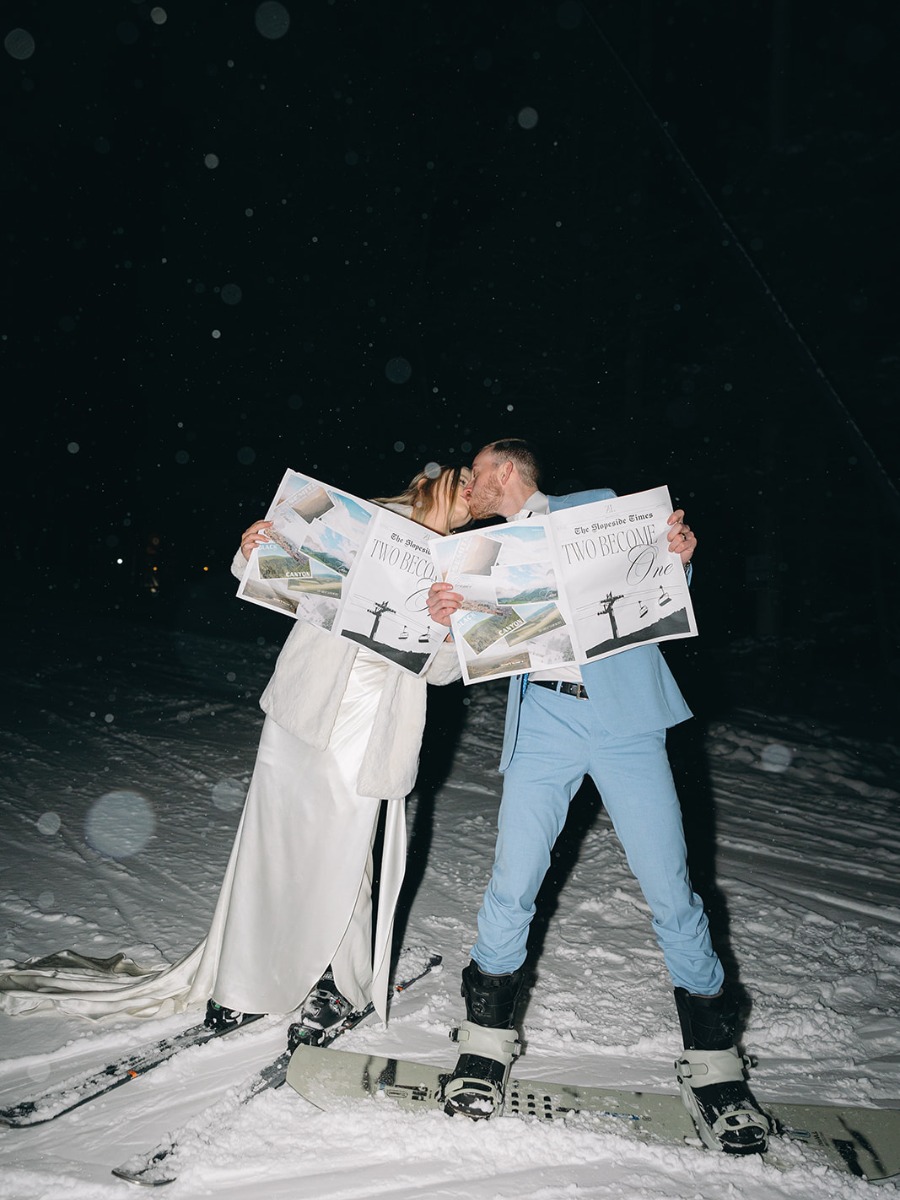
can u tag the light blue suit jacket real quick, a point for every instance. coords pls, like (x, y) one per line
(631, 692)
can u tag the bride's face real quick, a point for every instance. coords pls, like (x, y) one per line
(460, 514)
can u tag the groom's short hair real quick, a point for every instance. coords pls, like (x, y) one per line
(520, 452)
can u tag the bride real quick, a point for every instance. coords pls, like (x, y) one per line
(293, 922)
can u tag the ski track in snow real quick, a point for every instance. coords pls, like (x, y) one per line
(795, 845)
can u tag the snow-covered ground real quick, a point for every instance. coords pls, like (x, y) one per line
(126, 752)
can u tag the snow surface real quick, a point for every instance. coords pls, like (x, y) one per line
(127, 751)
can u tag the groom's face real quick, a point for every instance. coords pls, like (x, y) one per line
(484, 492)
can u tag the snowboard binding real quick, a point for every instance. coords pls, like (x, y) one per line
(478, 1083)
(711, 1076)
(721, 1104)
(488, 1044)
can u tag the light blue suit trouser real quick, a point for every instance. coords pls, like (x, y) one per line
(560, 741)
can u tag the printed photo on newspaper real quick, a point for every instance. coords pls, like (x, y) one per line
(317, 532)
(569, 588)
(512, 618)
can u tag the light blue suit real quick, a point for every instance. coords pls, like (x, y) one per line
(617, 736)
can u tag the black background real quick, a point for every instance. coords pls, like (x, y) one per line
(657, 238)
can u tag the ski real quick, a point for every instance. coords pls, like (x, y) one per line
(156, 1167)
(864, 1142)
(80, 1089)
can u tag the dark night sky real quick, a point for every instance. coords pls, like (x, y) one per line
(658, 238)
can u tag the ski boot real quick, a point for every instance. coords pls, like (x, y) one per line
(488, 1044)
(322, 1009)
(711, 1076)
(222, 1020)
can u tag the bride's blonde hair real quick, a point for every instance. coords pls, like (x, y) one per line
(430, 493)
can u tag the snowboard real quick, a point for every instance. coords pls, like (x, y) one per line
(862, 1141)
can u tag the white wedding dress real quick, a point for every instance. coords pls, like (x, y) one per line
(296, 897)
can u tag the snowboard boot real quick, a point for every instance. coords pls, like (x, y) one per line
(322, 1009)
(711, 1076)
(487, 1041)
(221, 1019)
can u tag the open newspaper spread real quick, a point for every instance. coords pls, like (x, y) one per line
(568, 588)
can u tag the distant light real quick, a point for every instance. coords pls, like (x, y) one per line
(211, 161)
(398, 370)
(206, 568)
(527, 118)
(73, 447)
(776, 757)
(272, 20)
(19, 44)
(158, 16)
(119, 561)
(120, 824)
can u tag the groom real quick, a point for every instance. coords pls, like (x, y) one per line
(607, 719)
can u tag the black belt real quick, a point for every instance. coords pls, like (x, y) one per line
(568, 689)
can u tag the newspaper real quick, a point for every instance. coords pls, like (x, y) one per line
(568, 588)
(316, 534)
(385, 601)
(350, 567)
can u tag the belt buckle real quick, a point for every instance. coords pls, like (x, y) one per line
(563, 687)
